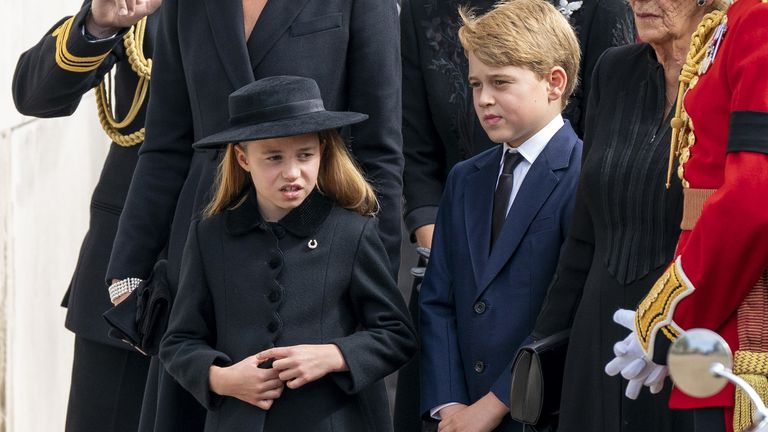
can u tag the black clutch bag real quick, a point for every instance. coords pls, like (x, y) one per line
(537, 379)
(142, 318)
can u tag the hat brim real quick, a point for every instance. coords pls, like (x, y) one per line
(298, 125)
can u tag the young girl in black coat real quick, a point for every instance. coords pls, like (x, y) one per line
(287, 317)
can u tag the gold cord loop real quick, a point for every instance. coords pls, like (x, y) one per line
(682, 126)
(133, 41)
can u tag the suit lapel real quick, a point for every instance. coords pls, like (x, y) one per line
(230, 39)
(538, 185)
(478, 208)
(275, 19)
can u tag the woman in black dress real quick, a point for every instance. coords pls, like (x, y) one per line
(626, 222)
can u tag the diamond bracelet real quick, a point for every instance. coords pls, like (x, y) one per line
(123, 286)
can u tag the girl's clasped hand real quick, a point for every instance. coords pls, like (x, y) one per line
(252, 380)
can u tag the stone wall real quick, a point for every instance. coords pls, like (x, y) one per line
(48, 168)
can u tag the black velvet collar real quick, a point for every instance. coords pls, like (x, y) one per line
(302, 221)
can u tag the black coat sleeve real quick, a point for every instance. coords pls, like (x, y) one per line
(387, 339)
(187, 348)
(602, 25)
(576, 255)
(41, 88)
(374, 83)
(164, 160)
(423, 178)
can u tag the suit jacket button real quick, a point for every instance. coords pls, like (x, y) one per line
(479, 307)
(274, 263)
(479, 366)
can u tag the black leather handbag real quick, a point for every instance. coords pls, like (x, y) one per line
(537, 379)
(142, 318)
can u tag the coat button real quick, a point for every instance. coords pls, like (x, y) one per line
(274, 296)
(479, 366)
(273, 326)
(274, 263)
(479, 307)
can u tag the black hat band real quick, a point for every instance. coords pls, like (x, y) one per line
(279, 112)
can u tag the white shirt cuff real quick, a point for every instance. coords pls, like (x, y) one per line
(435, 412)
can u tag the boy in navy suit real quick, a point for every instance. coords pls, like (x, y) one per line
(503, 216)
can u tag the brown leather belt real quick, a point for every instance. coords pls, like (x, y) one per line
(693, 202)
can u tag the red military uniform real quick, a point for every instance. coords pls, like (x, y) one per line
(722, 255)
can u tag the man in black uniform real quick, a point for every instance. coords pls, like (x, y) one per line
(76, 55)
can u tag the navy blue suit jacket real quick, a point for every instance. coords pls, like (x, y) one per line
(476, 307)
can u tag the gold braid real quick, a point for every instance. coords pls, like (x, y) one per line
(142, 66)
(683, 137)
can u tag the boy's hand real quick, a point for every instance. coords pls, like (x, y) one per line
(450, 410)
(300, 364)
(482, 416)
(246, 381)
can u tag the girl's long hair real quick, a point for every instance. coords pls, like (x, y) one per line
(339, 179)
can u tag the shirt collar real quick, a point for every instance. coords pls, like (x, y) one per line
(534, 145)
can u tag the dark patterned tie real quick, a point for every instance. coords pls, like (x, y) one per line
(503, 193)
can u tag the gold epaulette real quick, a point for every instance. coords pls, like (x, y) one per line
(656, 310)
(69, 61)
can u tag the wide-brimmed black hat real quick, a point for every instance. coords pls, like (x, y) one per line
(277, 106)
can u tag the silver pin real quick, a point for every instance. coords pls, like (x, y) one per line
(312, 244)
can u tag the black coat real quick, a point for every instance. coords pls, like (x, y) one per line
(42, 89)
(440, 127)
(349, 47)
(247, 285)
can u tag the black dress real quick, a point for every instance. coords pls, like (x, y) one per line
(624, 233)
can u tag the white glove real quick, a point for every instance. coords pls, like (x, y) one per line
(631, 362)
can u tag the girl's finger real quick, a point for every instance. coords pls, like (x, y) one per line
(295, 383)
(288, 375)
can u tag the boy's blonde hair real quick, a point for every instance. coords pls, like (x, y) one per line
(339, 179)
(525, 33)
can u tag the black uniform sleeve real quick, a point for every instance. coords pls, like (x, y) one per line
(186, 350)
(374, 83)
(164, 160)
(387, 339)
(45, 87)
(424, 171)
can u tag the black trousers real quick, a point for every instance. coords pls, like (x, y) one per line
(709, 419)
(107, 388)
